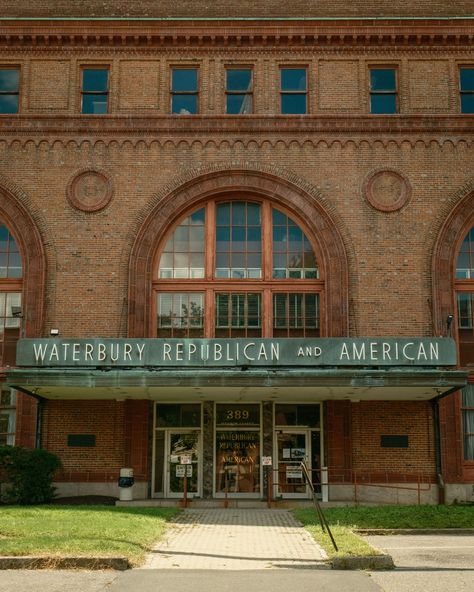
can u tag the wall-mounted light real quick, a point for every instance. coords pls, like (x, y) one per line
(449, 322)
(54, 332)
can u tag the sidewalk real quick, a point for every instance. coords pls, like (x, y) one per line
(236, 539)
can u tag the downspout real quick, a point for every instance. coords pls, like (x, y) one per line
(437, 441)
(39, 422)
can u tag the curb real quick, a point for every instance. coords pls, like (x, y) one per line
(92, 563)
(368, 562)
(432, 531)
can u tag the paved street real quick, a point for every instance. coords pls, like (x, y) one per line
(425, 562)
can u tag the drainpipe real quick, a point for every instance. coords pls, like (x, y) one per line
(39, 422)
(437, 438)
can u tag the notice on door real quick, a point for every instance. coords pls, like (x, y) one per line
(294, 473)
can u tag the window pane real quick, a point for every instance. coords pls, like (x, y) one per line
(293, 104)
(179, 314)
(239, 104)
(8, 103)
(467, 103)
(467, 78)
(465, 260)
(295, 315)
(468, 396)
(239, 80)
(223, 214)
(184, 104)
(94, 104)
(95, 80)
(383, 103)
(238, 315)
(293, 256)
(293, 79)
(383, 79)
(9, 80)
(184, 80)
(239, 239)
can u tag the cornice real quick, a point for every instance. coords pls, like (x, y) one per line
(153, 126)
(346, 33)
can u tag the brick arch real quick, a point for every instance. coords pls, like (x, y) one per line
(22, 226)
(452, 233)
(251, 182)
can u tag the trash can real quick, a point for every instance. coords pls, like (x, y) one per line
(125, 483)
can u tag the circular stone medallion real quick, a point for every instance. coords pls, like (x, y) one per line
(387, 190)
(90, 191)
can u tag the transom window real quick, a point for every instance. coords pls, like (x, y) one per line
(237, 268)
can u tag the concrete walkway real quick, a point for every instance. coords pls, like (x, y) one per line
(236, 539)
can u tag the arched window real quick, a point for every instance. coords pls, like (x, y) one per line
(11, 273)
(237, 269)
(464, 286)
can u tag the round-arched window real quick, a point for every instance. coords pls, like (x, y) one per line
(238, 268)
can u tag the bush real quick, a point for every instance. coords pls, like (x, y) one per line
(28, 473)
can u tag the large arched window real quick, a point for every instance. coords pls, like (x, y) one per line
(237, 268)
(11, 273)
(464, 286)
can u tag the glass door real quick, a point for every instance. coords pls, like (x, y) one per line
(183, 444)
(292, 448)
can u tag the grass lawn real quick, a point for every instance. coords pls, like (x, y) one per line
(81, 530)
(343, 521)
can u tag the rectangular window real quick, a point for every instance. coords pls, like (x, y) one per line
(7, 416)
(239, 91)
(465, 301)
(238, 315)
(10, 325)
(180, 314)
(293, 91)
(95, 91)
(468, 421)
(295, 315)
(383, 90)
(184, 91)
(466, 88)
(9, 90)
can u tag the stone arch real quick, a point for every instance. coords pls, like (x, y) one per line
(459, 220)
(237, 180)
(15, 215)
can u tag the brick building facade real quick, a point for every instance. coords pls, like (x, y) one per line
(288, 173)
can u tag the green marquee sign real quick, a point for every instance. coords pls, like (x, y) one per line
(235, 352)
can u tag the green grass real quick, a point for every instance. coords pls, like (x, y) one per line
(81, 530)
(343, 521)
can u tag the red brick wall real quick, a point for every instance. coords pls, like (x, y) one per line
(105, 420)
(372, 419)
(244, 8)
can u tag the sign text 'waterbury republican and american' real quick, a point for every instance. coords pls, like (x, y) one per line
(236, 352)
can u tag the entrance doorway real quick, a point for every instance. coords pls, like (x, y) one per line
(177, 441)
(297, 438)
(292, 448)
